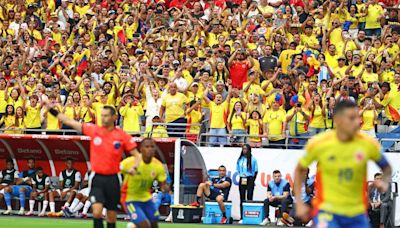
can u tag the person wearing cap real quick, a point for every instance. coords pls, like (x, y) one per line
(275, 124)
(298, 118)
(218, 112)
(131, 110)
(340, 71)
(252, 86)
(390, 104)
(356, 66)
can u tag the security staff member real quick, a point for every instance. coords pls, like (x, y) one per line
(107, 145)
(247, 168)
(278, 193)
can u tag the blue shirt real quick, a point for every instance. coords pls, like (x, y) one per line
(241, 167)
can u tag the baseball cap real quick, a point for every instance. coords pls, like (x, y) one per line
(220, 82)
(195, 84)
(341, 57)
(139, 52)
(176, 62)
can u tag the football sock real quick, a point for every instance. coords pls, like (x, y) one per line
(22, 199)
(52, 207)
(74, 204)
(86, 207)
(78, 207)
(45, 204)
(7, 198)
(31, 205)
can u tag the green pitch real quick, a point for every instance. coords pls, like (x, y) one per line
(34, 222)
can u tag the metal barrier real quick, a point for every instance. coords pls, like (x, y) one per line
(180, 129)
(202, 139)
(265, 142)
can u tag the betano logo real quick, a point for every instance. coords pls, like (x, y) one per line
(262, 177)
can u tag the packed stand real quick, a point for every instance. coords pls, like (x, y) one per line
(237, 70)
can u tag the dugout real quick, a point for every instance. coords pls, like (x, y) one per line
(181, 158)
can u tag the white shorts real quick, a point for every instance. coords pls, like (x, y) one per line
(2, 191)
(64, 190)
(85, 192)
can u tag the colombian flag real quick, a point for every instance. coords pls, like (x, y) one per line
(83, 63)
(394, 113)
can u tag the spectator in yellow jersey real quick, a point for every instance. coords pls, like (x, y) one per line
(33, 120)
(218, 115)
(237, 124)
(173, 109)
(369, 117)
(7, 121)
(52, 122)
(158, 129)
(255, 129)
(194, 116)
(317, 111)
(275, 124)
(86, 113)
(131, 111)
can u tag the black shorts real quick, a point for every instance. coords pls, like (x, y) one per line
(213, 195)
(105, 189)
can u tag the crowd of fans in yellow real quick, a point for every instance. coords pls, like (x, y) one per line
(252, 68)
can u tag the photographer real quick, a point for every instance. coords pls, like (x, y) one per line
(298, 118)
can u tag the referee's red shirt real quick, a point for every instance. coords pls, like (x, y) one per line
(106, 148)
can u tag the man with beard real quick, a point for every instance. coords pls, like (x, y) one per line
(239, 65)
(268, 62)
(355, 67)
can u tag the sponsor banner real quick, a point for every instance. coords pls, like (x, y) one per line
(51, 151)
(269, 160)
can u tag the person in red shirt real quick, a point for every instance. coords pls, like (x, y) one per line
(107, 145)
(239, 65)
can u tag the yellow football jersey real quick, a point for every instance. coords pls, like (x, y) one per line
(138, 187)
(341, 182)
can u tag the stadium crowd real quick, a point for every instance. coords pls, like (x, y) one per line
(246, 70)
(253, 68)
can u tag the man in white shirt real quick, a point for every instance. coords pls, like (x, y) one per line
(18, 24)
(64, 13)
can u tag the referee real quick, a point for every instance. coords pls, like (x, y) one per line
(107, 145)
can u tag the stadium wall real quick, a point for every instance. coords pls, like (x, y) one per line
(270, 160)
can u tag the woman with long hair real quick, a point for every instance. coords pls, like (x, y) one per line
(8, 119)
(247, 168)
(19, 120)
(317, 110)
(237, 124)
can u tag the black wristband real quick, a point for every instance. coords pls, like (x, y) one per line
(53, 112)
